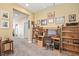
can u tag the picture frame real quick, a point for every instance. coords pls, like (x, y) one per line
(72, 17)
(44, 22)
(5, 14)
(59, 20)
(51, 20)
(4, 24)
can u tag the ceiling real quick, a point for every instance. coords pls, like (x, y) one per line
(34, 7)
(17, 15)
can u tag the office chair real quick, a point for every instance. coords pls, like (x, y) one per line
(48, 43)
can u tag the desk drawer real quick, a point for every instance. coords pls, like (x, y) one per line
(39, 44)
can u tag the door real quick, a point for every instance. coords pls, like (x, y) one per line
(26, 30)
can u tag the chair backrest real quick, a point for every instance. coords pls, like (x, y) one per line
(47, 39)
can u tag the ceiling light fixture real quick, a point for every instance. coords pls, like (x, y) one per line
(44, 7)
(16, 15)
(27, 4)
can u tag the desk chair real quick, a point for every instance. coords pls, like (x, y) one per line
(48, 42)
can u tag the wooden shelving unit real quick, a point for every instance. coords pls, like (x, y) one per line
(70, 38)
(40, 41)
(39, 36)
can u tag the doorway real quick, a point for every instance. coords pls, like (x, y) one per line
(20, 25)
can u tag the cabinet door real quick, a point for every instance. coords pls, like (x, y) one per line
(40, 44)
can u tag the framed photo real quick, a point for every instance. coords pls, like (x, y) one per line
(4, 24)
(44, 22)
(59, 20)
(72, 17)
(5, 14)
(51, 20)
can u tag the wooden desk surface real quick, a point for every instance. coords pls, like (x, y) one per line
(4, 42)
(55, 38)
(40, 36)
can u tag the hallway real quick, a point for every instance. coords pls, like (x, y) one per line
(22, 48)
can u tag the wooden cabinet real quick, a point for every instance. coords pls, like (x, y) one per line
(38, 36)
(36, 31)
(40, 41)
(10, 46)
(70, 38)
(40, 44)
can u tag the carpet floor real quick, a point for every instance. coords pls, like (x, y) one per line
(23, 48)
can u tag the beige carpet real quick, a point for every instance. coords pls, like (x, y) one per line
(23, 48)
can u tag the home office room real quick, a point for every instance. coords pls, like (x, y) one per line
(52, 29)
(59, 25)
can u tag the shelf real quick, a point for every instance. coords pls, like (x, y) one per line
(67, 31)
(75, 38)
(70, 32)
(70, 49)
(70, 26)
(40, 36)
(70, 44)
(67, 37)
(55, 38)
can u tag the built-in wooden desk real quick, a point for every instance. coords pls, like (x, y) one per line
(56, 40)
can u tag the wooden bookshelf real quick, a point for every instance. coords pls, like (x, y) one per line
(55, 38)
(70, 38)
(39, 37)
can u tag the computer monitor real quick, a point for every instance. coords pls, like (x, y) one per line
(52, 32)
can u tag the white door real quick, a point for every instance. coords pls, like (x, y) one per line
(26, 29)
